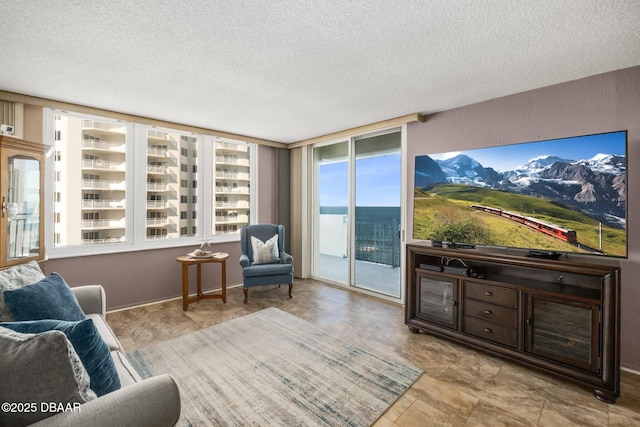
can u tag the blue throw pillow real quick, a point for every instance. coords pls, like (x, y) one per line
(88, 344)
(50, 298)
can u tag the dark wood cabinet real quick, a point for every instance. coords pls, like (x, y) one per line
(558, 316)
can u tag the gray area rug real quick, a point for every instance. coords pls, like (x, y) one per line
(273, 368)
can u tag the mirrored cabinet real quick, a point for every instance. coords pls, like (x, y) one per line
(22, 201)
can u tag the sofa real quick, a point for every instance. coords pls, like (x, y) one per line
(46, 378)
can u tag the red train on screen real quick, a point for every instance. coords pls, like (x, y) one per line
(564, 234)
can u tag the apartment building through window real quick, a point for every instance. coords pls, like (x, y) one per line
(90, 185)
(108, 191)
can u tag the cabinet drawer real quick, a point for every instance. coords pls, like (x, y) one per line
(493, 294)
(490, 331)
(491, 312)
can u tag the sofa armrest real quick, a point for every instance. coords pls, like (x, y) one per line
(152, 402)
(91, 298)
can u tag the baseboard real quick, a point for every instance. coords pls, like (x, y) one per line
(631, 371)
(145, 304)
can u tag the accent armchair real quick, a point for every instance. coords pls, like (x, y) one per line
(263, 257)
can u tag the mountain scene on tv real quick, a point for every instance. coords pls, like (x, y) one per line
(565, 195)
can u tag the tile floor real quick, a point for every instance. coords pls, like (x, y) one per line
(460, 386)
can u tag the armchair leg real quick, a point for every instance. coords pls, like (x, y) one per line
(246, 294)
(290, 286)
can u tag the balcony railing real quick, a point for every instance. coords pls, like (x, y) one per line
(232, 219)
(157, 134)
(237, 190)
(23, 236)
(155, 222)
(379, 243)
(233, 175)
(93, 124)
(97, 144)
(102, 241)
(97, 184)
(156, 204)
(156, 169)
(232, 160)
(158, 152)
(103, 165)
(103, 204)
(376, 240)
(230, 205)
(157, 186)
(231, 146)
(92, 224)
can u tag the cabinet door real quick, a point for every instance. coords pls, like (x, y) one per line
(436, 299)
(21, 207)
(563, 330)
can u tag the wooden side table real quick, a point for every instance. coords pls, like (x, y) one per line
(186, 261)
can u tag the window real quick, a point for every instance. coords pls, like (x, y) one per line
(108, 193)
(168, 163)
(232, 190)
(90, 185)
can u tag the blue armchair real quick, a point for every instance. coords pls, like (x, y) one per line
(263, 259)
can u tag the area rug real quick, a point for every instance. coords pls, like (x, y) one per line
(271, 368)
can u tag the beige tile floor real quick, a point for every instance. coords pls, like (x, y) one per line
(460, 386)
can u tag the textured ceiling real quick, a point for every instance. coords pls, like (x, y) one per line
(291, 70)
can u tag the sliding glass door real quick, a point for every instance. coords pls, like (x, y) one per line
(377, 214)
(331, 237)
(357, 213)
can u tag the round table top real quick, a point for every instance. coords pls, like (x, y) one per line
(216, 257)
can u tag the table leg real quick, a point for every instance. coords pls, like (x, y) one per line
(199, 281)
(224, 280)
(185, 287)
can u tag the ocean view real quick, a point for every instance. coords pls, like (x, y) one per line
(373, 214)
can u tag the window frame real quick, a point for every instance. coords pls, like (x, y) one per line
(136, 191)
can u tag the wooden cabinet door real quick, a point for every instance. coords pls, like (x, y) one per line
(564, 330)
(436, 299)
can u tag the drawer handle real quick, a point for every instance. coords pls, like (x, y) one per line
(487, 330)
(488, 293)
(488, 312)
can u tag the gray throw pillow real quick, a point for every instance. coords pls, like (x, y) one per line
(14, 278)
(265, 252)
(88, 344)
(39, 368)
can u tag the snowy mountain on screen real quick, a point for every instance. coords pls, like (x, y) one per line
(595, 186)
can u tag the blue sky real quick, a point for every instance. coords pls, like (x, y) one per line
(509, 157)
(377, 182)
(378, 178)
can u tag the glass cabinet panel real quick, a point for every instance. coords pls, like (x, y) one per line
(23, 207)
(563, 330)
(437, 299)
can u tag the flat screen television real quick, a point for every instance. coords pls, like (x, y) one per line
(555, 196)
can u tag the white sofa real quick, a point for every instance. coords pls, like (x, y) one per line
(150, 402)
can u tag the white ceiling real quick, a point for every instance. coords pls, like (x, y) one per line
(291, 70)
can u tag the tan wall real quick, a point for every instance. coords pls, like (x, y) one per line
(603, 103)
(33, 123)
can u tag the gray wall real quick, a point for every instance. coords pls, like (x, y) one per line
(603, 103)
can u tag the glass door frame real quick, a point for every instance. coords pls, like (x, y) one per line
(315, 203)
